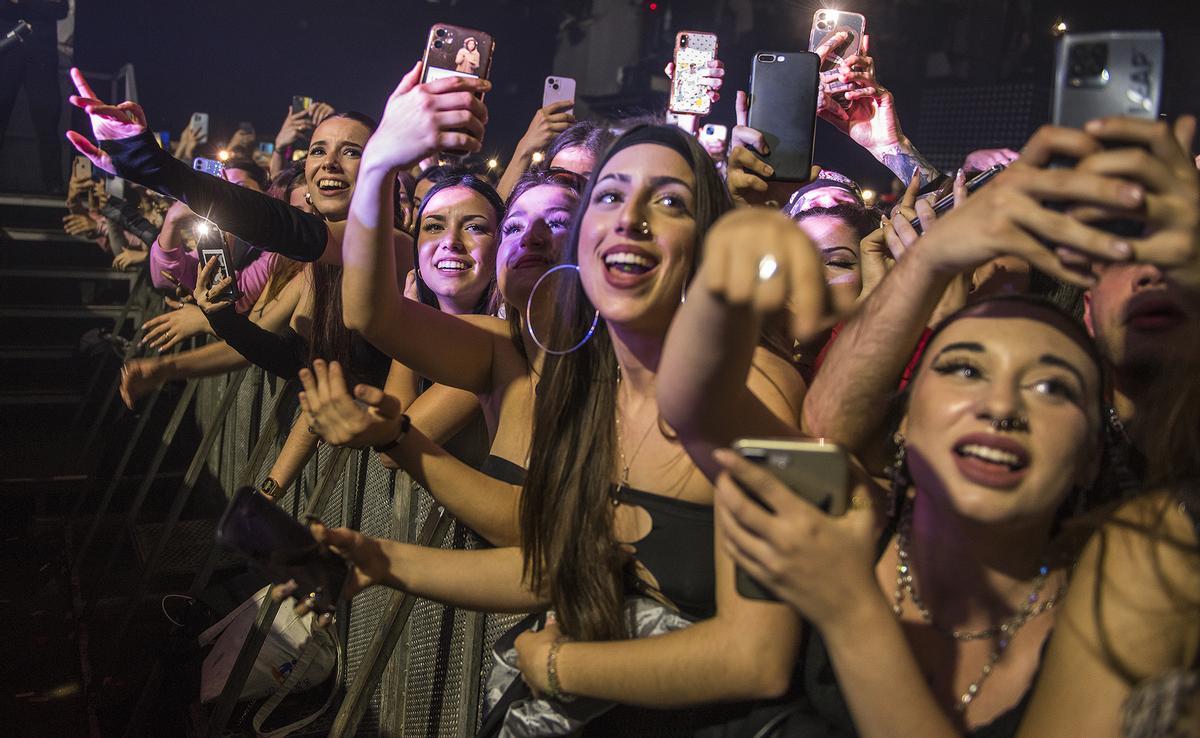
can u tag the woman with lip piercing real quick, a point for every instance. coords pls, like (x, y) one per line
(930, 606)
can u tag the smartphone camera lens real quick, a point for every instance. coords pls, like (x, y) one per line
(441, 31)
(683, 41)
(437, 44)
(766, 58)
(1086, 65)
(822, 25)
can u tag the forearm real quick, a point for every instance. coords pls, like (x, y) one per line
(278, 354)
(488, 580)
(903, 159)
(207, 361)
(269, 224)
(879, 677)
(370, 293)
(488, 506)
(849, 397)
(297, 450)
(521, 161)
(710, 661)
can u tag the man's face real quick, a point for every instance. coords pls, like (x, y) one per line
(1140, 320)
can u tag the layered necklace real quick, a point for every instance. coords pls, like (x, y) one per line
(1001, 635)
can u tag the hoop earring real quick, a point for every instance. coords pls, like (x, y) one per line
(529, 315)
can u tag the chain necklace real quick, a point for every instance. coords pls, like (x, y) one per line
(1001, 634)
(624, 482)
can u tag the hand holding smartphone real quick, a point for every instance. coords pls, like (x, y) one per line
(689, 94)
(558, 89)
(828, 22)
(199, 124)
(456, 51)
(816, 471)
(783, 107)
(282, 548)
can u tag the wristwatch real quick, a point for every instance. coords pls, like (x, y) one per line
(270, 488)
(405, 425)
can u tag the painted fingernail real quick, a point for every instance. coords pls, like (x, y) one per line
(1122, 249)
(770, 170)
(1132, 194)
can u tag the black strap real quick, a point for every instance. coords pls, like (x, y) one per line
(280, 355)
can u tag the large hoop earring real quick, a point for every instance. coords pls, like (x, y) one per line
(529, 315)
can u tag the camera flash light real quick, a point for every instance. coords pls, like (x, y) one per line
(223, 155)
(492, 163)
(537, 157)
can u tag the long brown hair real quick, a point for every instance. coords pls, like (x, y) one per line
(566, 515)
(283, 269)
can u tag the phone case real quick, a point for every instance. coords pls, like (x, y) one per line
(693, 51)
(209, 166)
(457, 51)
(818, 472)
(81, 168)
(558, 89)
(783, 107)
(827, 22)
(714, 133)
(211, 244)
(200, 125)
(1102, 74)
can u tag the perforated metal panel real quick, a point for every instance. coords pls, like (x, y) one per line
(956, 120)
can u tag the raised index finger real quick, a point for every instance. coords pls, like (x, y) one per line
(81, 84)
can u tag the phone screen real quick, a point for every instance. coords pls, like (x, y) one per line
(282, 547)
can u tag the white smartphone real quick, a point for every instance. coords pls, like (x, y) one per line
(200, 126)
(558, 89)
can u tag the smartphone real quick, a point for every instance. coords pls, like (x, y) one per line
(693, 51)
(164, 139)
(266, 147)
(817, 471)
(209, 166)
(456, 51)
(300, 102)
(246, 126)
(282, 548)
(1104, 74)
(713, 136)
(558, 89)
(946, 202)
(210, 242)
(783, 107)
(827, 22)
(81, 167)
(199, 124)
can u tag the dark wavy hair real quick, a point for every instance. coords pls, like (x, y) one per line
(566, 516)
(481, 187)
(594, 138)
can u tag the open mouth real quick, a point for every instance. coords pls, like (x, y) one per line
(452, 265)
(627, 265)
(992, 461)
(330, 186)
(1153, 312)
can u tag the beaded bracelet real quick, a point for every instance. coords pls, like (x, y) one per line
(554, 690)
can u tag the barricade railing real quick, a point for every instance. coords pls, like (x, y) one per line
(436, 651)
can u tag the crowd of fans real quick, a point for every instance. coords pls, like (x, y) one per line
(1015, 384)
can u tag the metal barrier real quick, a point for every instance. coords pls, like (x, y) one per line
(412, 667)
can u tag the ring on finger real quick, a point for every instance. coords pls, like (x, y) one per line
(767, 267)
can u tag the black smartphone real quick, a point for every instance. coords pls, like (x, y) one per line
(1105, 74)
(210, 242)
(946, 202)
(282, 548)
(301, 102)
(817, 471)
(783, 107)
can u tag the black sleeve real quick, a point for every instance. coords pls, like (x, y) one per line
(262, 221)
(282, 355)
(129, 217)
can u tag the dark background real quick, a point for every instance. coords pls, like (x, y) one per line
(244, 60)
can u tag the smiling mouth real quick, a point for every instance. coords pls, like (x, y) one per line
(452, 266)
(629, 262)
(990, 455)
(329, 186)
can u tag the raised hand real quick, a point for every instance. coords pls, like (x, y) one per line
(208, 296)
(547, 123)
(759, 259)
(421, 119)
(297, 124)
(370, 417)
(164, 331)
(81, 226)
(109, 122)
(1159, 160)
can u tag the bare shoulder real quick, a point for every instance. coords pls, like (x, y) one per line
(777, 384)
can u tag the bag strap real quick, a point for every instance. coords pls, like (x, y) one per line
(211, 632)
(307, 654)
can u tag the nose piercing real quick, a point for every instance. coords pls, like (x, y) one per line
(1019, 423)
(644, 228)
